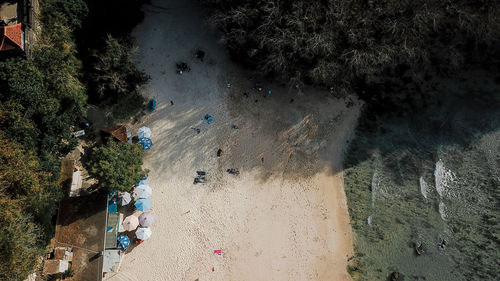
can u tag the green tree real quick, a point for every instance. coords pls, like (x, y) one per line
(117, 166)
(115, 73)
(23, 179)
(66, 12)
(20, 241)
(346, 43)
(116, 79)
(16, 126)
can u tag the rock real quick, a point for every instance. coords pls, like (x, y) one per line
(394, 276)
(419, 248)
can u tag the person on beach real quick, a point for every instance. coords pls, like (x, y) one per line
(200, 54)
(198, 180)
(219, 152)
(233, 171)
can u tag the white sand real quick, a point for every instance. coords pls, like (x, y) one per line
(281, 219)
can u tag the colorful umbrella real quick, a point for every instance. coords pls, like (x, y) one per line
(144, 132)
(142, 204)
(146, 143)
(146, 219)
(130, 223)
(124, 198)
(143, 191)
(122, 242)
(143, 233)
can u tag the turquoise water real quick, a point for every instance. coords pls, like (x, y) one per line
(413, 182)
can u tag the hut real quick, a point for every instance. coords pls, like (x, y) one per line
(119, 133)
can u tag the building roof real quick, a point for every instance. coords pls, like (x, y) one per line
(111, 261)
(9, 12)
(11, 37)
(63, 253)
(119, 132)
(55, 266)
(111, 230)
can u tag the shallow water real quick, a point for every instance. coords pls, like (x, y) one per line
(415, 185)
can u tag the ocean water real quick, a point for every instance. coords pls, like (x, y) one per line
(421, 184)
(451, 210)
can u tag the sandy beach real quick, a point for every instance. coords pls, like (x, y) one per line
(284, 217)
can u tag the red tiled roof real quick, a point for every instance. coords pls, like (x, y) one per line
(11, 37)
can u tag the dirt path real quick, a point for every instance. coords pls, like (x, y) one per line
(285, 216)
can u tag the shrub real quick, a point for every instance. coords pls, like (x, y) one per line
(342, 43)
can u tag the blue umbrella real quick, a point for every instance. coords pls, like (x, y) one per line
(208, 118)
(142, 204)
(146, 143)
(142, 182)
(122, 242)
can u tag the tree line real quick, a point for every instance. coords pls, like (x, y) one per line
(41, 98)
(355, 46)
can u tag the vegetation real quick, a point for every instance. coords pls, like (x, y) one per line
(40, 99)
(350, 44)
(20, 241)
(117, 166)
(106, 48)
(116, 80)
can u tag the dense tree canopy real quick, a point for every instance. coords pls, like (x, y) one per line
(20, 241)
(117, 166)
(339, 43)
(41, 97)
(115, 79)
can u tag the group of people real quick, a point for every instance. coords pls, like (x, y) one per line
(201, 175)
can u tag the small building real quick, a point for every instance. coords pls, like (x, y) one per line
(119, 133)
(111, 261)
(76, 184)
(59, 261)
(63, 253)
(18, 23)
(51, 267)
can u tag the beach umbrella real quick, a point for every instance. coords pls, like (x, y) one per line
(143, 191)
(124, 198)
(142, 204)
(146, 143)
(143, 233)
(146, 219)
(144, 132)
(122, 242)
(130, 223)
(143, 181)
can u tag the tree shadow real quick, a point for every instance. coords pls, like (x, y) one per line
(458, 111)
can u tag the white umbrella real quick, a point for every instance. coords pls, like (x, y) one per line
(144, 132)
(124, 198)
(146, 219)
(143, 233)
(143, 191)
(130, 223)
